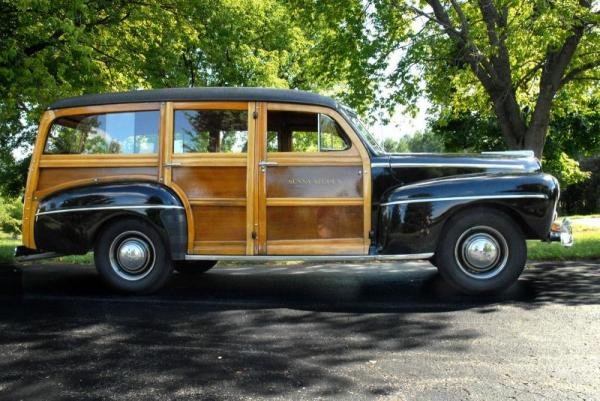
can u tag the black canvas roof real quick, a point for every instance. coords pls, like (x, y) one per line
(198, 94)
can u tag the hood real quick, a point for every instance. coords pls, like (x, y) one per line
(514, 161)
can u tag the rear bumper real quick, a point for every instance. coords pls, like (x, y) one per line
(562, 232)
(22, 254)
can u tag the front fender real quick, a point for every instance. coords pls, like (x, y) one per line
(412, 217)
(68, 221)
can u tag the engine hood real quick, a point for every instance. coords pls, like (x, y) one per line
(489, 162)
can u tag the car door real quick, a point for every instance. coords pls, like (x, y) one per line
(313, 183)
(206, 161)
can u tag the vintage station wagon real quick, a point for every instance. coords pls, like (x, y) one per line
(182, 178)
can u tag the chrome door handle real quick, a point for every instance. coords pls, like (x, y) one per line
(265, 163)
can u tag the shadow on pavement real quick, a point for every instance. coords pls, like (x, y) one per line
(241, 332)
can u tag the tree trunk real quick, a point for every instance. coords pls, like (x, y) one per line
(509, 115)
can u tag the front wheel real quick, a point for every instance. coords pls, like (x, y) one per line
(483, 250)
(130, 256)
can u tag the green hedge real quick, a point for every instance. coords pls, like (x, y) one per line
(584, 197)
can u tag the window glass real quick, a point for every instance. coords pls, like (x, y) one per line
(210, 131)
(304, 132)
(116, 133)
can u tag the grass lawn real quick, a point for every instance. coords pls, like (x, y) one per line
(586, 247)
(7, 250)
(587, 243)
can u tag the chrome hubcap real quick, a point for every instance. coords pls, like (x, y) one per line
(132, 255)
(481, 252)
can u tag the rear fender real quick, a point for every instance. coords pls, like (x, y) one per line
(68, 221)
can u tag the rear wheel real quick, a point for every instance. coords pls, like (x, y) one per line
(482, 250)
(130, 256)
(194, 266)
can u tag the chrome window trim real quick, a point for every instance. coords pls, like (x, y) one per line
(323, 258)
(473, 197)
(86, 209)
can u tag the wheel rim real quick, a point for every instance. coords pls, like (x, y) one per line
(132, 255)
(481, 252)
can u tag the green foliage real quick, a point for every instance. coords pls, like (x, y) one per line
(59, 48)
(566, 170)
(11, 215)
(571, 137)
(583, 197)
(421, 142)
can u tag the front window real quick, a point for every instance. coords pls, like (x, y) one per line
(291, 131)
(362, 130)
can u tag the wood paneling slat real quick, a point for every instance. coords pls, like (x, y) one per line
(211, 182)
(313, 222)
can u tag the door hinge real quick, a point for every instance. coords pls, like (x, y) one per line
(255, 114)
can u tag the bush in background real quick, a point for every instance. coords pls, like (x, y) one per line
(583, 197)
(11, 214)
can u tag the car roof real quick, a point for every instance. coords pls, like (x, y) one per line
(198, 94)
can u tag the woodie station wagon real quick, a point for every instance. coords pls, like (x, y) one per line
(151, 180)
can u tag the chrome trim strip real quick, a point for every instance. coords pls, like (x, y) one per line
(321, 258)
(474, 197)
(462, 165)
(85, 209)
(521, 153)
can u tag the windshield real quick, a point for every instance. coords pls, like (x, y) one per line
(363, 131)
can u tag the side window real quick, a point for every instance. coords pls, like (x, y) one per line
(304, 132)
(210, 131)
(114, 133)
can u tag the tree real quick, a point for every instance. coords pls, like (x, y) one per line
(571, 137)
(421, 142)
(515, 59)
(51, 49)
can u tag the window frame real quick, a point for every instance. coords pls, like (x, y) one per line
(106, 113)
(197, 109)
(97, 159)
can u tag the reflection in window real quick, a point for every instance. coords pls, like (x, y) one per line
(304, 132)
(210, 131)
(124, 133)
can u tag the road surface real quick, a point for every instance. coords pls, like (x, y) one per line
(379, 331)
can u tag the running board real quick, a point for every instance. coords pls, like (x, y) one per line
(314, 258)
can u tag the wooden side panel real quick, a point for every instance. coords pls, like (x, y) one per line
(317, 181)
(211, 182)
(51, 177)
(314, 222)
(339, 246)
(220, 223)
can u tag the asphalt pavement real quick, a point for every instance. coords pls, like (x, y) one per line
(381, 331)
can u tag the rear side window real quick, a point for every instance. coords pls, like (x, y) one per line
(113, 133)
(210, 131)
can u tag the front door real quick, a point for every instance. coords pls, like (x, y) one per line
(312, 181)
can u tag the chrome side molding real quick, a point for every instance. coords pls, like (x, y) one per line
(312, 258)
(520, 153)
(130, 207)
(472, 197)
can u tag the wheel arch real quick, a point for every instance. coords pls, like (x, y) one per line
(69, 221)
(412, 217)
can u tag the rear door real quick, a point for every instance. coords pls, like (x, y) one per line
(207, 147)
